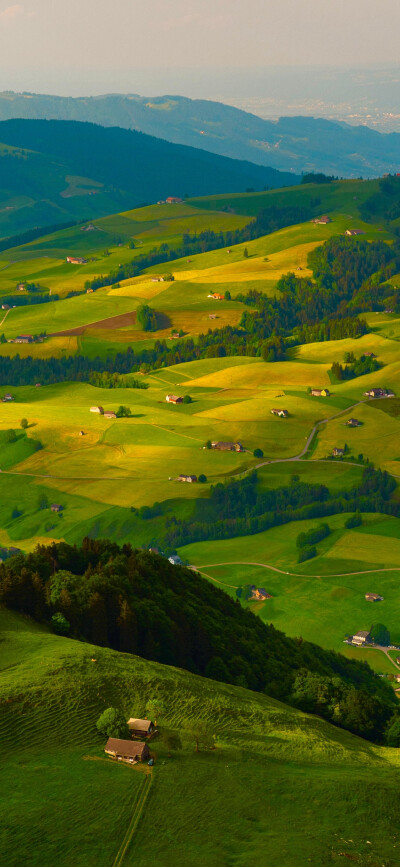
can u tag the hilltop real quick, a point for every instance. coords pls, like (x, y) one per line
(52, 691)
(292, 144)
(64, 171)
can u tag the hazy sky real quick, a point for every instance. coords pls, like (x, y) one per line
(64, 42)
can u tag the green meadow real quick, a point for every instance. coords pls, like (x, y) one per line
(52, 691)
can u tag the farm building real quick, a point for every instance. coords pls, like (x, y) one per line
(352, 232)
(369, 354)
(126, 751)
(227, 446)
(353, 422)
(397, 676)
(322, 221)
(379, 392)
(360, 638)
(5, 306)
(173, 398)
(398, 660)
(89, 291)
(108, 413)
(76, 260)
(98, 409)
(259, 594)
(38, 384)
(55, 507)
(173, 200)
(24, 338)
(21, 287)
(7, 398)
(337, 453)
(216, 296)
(183, 478)
(373, 597)
(320, 392)
(283, 413)
(81, 433)
(175, 560)
(141, 728)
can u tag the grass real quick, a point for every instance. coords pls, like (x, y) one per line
(52, 694)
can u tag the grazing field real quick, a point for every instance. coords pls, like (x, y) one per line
(323, 599)
(52, 691)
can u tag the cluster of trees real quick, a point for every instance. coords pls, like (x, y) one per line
(239, 508)
(115, 380)
(147, 318)
(354, 367)
(27, 300)
(317, 178)
(385, 203)
(137, 602)
(306, 542)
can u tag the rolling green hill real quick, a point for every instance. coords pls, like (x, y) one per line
(67, 803)
(60, 171)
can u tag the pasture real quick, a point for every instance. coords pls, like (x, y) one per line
(52, 694)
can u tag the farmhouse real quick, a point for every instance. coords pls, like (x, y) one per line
(354, 232)
(173, 200)
(322, 221)
(140, 728)
(55, 507)
(175, 335)
(259, 594)
(21, 287)
(373, 597)
(24, 338)
(7, 398)
(175, 560)
(353, 422)
(109, 414)
(320, 392)
(337, 453)
(173, 398)
(183, 478)
(379, 392)
(398, 660)
(283, 413)
(126, 751)
(98, 409)
(369, 354)
(227, 446)
(89, 291)
(360, 638)
(5, 306)
(216, 296)
(76, 260)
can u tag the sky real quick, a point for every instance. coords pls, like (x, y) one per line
(107, 45)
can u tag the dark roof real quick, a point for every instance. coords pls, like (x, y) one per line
(125, 748)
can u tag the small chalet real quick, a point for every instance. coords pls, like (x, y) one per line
(369, 354)
(173, 200)
(183, 478)
(227, 446)
(337, 453)
(55, 507)
(5, 306)
(140, 728)
(21, 287)
(398, 660)
(360, 638)
(397, 676)
(98, 409)
(322, 221)
(175, 560)
(353, 422)
(127, 751)
(175, 335)
(89, 291)
(258, 594)
(76, 260)
(109, 414)
(38, 384)
(216, 296)
(173, 398)
(283, 413)
(320, 392)
(373, 597)
(7, 398)
(352, 232)
(81, 433)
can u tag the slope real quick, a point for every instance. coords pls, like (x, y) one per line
(241, 803)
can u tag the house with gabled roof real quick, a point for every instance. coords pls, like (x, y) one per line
(126, 751)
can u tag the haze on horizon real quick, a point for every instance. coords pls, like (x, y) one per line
(87, 47)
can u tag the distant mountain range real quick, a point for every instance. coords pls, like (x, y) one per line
(294, 144)
(53, 172)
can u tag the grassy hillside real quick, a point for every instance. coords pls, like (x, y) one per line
(59, 171)
(52, 691)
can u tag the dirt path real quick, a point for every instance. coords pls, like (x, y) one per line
(136, 815)
(291, 574)
(5, 316)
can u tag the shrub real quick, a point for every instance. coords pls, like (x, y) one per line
(60, 624)
(187, 399)
(307, 553)
(24, 423)
(353, 521)
(202, 478)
